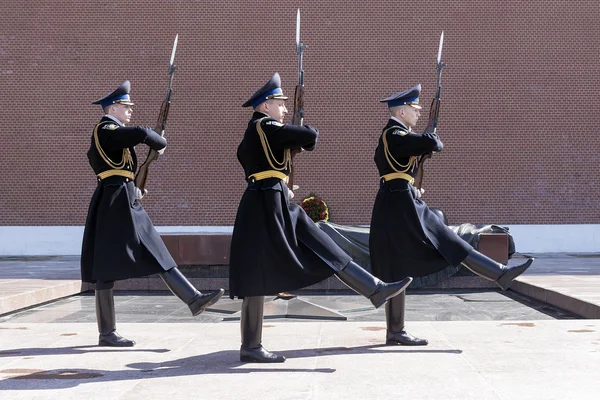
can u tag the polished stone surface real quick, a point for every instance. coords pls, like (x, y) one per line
(152, 307)
(567, 281)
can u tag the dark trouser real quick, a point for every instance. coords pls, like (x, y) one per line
(251, 321)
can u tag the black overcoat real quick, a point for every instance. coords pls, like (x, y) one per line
(275, 246)
(407, 238)
(119, 240)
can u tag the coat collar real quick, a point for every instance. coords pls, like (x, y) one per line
(111, 118)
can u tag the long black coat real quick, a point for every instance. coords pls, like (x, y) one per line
(407, 238)
(275, 246)
(119, 240)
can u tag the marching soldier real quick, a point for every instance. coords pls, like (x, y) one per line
(275, 246)
(119, 241)
(406, 237)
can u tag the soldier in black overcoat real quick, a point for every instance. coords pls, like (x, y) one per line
(119, 240)
(275, 246)
(407, 238)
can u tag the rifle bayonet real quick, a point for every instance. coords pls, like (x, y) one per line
(299, 95)
(440, 48)
(435, 105)
(175, 49)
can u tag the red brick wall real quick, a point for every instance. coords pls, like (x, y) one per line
(519, 115)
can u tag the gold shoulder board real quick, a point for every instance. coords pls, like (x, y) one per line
(275, 123)
(110, 127)
(399, 132)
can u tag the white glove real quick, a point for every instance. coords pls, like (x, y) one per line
(138, 193)
(420, 193)
(161, 151)
(290, 194)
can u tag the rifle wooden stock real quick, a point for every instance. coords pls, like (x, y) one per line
(298, 106)
(142, 175)
(431, 128)
(297, 120)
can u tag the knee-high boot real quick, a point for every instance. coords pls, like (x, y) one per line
(485, 267)
(105, 315)
(183, 289)
(394, 317)
(362, 282)
(251, 327)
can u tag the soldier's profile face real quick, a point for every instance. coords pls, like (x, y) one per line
(276, 109)
(410, 116)
(122, 112)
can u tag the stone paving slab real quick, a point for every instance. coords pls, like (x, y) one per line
(29, 281)
(540, 360)
(567, 281)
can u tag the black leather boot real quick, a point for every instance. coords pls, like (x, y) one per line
(394, 317)
(183, 289)
(487, 268)
(362, 282)
(251, 326)
(105, 314)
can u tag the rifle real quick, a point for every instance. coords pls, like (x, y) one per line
(298, 117)
(161, 124)
(434, 112)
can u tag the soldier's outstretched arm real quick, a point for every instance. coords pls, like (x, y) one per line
(283, 136)
(403, 144)
(113, 137)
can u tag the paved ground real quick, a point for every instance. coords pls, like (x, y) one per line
(552, 359)
(483, 344)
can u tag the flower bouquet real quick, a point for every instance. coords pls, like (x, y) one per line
(315, 208)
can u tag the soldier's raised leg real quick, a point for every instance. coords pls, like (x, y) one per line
(371, 287)
(485, 267)
(186, 292)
